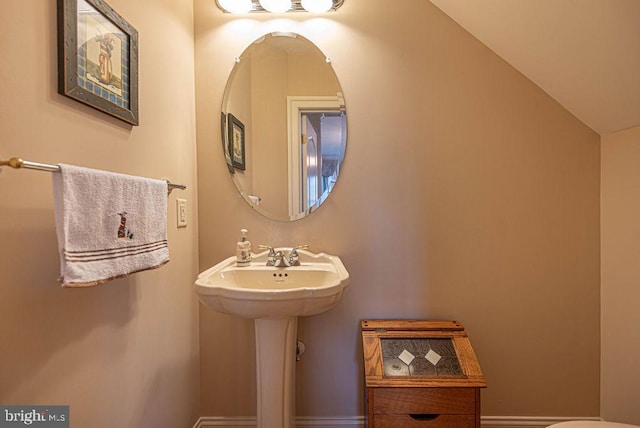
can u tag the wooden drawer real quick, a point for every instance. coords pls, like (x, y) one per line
(434, 401)
(441, 421)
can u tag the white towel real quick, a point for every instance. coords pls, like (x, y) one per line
(108, 225)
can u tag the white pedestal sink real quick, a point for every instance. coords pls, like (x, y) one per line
(275, 297)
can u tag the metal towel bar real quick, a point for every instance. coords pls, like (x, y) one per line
(20, 163)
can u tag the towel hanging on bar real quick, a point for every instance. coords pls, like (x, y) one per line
(108, 225)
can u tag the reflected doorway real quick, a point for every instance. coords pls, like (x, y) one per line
(316, 150)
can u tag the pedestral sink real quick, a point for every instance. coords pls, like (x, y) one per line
(274, 297)
(261, 291)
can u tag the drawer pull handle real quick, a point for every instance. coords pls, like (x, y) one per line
(423, 416)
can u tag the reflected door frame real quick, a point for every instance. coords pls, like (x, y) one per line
(296, 107)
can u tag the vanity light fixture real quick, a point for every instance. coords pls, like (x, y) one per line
(317, 6)
(235, 6)
(278, 6)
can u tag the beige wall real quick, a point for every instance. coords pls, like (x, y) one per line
(620, 271)
(467, 193)
(268, 83)
(124, 354)
(240, 107)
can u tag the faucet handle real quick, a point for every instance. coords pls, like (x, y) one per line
(271, 257)
(267, 247)
(294, 257)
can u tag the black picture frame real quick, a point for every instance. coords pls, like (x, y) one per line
(226, 146)
(236, 141)
(98, 58)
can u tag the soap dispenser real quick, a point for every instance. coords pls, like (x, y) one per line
(243, 250)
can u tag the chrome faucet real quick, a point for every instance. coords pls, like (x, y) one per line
(274, 258)
(278, 258)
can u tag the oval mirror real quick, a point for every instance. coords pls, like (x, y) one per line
(284, 126)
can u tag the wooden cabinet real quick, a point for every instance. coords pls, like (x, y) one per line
(420, 374)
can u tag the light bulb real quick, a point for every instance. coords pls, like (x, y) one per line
(235, 6)
(276, 6)
(317, 6)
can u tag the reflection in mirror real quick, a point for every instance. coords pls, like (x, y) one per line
(284, 126)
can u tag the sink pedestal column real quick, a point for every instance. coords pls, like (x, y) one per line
(275, 371)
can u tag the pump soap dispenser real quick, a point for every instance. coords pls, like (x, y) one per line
(243, 250)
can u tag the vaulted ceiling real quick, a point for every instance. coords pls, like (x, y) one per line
(583, 53)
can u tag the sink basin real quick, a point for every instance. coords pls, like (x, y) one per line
(261, 291)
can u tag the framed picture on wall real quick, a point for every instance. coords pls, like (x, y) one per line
(98, 58)
(236, 141)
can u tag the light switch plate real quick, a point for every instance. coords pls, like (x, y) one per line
(181, 205)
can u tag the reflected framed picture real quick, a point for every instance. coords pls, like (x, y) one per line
(236, 141)
(226, 142)
(98, 58)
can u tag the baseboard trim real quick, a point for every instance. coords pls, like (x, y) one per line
(358, 421)
(528, 421)
(228, 421)
(250, 422)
